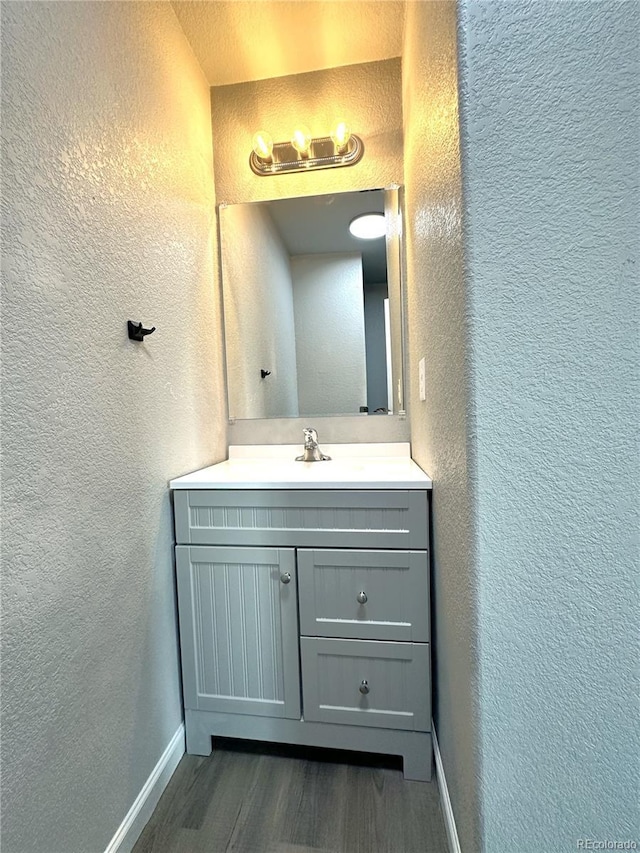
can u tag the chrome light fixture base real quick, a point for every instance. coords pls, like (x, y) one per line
(322, 155)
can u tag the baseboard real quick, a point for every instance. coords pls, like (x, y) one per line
(447, 811)
(129, 830)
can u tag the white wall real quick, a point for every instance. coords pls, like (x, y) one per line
(528, 318)
(550, 129)
(258, 313)
(328, 306)
(440, 426)
(108, 215)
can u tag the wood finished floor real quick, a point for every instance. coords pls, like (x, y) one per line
(261, 798)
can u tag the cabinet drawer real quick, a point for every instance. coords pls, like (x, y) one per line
(396, 675)
(367, 595)
(331, 519)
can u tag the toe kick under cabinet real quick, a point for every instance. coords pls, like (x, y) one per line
(304, 619)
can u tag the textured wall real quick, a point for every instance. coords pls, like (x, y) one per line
(107, 215)
(332, 370)
(368, 96)
(286, 36)
(549, 97)
(440, 426)
(258, 315)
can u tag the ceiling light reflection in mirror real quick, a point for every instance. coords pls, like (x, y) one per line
(370, 226)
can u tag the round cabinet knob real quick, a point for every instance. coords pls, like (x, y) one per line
(285, 577)
(364, 687)
(362, 597)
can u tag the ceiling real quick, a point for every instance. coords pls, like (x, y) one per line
(240, 40)
(320, 224)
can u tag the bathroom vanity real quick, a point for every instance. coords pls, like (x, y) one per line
(303, 595)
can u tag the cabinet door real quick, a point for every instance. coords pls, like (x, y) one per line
(239, 630)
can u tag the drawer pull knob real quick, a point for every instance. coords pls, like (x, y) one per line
(364, 687)
(362, 597)
(285, 577)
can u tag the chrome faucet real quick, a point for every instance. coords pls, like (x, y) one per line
(312, 452)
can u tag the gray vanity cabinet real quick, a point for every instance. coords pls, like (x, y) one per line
(304, 618)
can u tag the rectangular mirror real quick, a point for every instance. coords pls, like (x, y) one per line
(312, 314)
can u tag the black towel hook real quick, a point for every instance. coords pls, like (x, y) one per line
(136, 332)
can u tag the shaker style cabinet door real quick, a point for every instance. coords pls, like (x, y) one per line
(239, 630)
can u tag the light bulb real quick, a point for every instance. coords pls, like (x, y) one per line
(341, 135)
(301, 140)
(262, 145)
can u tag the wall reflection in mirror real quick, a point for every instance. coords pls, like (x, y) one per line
(312, 314)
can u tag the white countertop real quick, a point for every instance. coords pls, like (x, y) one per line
(352, 466)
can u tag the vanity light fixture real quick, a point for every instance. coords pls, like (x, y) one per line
(368, 226)
(304, 152)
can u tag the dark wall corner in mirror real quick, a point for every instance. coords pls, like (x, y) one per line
(322, 308)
